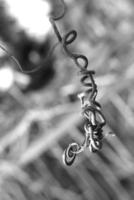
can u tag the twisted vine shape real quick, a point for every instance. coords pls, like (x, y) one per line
(91, 109)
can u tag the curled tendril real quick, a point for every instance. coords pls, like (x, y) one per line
(91, 109)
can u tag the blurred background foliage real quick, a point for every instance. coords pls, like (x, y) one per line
(40, 111)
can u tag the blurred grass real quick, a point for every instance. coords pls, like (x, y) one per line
(31, 156)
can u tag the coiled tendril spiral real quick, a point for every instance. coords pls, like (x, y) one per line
(91, 109)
